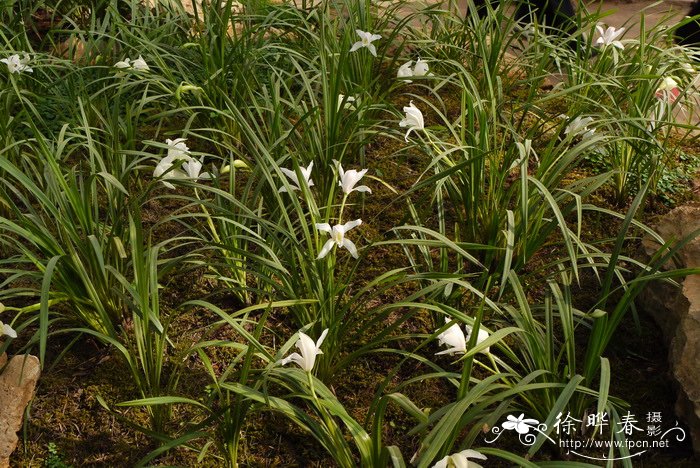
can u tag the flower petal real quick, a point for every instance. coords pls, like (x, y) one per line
(405, 70)
(325, 227)
(290, 174)
(163, 166)
(421, 68)
(351, 224)
(294, 357)
(372, 49)
(7, 330)
(360, 174)
(307, 170)
(319, 342)
(326, 248)
(140, 64)
(348, 244)
(193, 168)
(451, 351)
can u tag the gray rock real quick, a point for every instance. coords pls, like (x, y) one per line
(685, 359)
(17, 383)
(677, 312)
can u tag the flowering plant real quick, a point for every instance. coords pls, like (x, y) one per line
(178, 164)
(16, 64)
(138, 64)
(413, 120)
(366, 39)
(609, 37)
(309, 350)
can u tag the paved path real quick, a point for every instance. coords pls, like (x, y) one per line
(628, 13)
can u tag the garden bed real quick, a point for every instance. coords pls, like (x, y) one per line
(181, 206)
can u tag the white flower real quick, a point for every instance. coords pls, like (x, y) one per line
(461, 460)
(609, 37)
(126, 63)
(346, 102)
(349, 179)
(481, 337)
(668, 90)
(292, 175)
(193, 169)
(421, 68)
(17, 65)
(337, 233)
(309, 351)
(453, 337)
(189, 168)
(520, 424)
(366, 39)
(413, 120)
(177, 148)
(668, 83)
(5, 329)
(667, 93)
(140, 64)
(164, 169)
(405, 71)
(579, 126)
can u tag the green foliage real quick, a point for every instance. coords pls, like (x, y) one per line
(55, 459)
